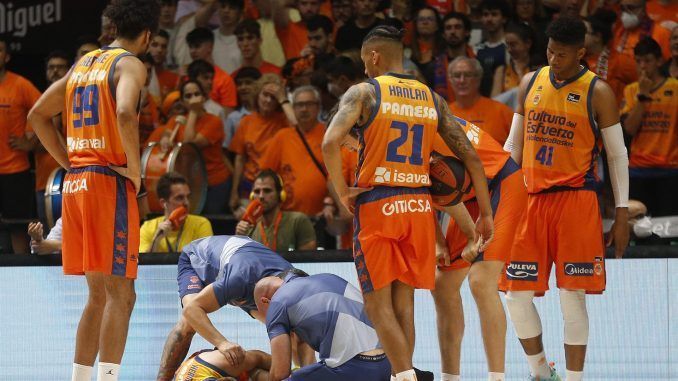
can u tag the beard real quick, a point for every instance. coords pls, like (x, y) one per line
(455, 43)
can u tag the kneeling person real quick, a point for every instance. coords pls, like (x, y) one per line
(327, 313)
(211, 365)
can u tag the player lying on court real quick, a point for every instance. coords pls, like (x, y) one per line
(327, 312)
(213, 272)
(211, 365)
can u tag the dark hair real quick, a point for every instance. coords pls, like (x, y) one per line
(459, 16)
(198, 36)
(247, 72)
(248, 26)
(567, 30)
(168, 2)
(162, 33)
(269, 173)
(438, 41)
(601, 23)
(132, 17)
(198, 67)
(297, 272)
(385, 32)
(164, 186)
(6, 41)
(647, 45)
(87, 39)
(237, 4)
(343, 65)
(521, 30)
(320, 22)
(189, 81)
(58, 54)
(500, 5)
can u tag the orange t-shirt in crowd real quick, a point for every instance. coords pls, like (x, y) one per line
(655, 145)
(168, 80)
(223, 89)
(662, 12)
(17, 96)
(252, 139)
(304, 183)
(210, 127)
(491, 116)
(620, 72)
(293, 38)
(624, 40)
(148, 118)
(265, 67)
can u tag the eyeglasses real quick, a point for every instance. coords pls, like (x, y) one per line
(464, 74)
(305, 104)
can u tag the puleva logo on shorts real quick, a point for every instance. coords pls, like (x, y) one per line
(74, 186)
(388, 175)
(522, 271)
(77, 144)
(579, 269)
(406, 206)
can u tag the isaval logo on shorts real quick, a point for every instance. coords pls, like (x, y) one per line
(78, 144)
(579, 269)
(528, 271)
(406, 206)
(384, 175)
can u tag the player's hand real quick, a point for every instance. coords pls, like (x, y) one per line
(243, 228)
(348, 199)
(471, 250)
(133, 176)
(644, 84)
(234, 353)
(35, 230)
(442, 253)
(485, 231)
(619, 233)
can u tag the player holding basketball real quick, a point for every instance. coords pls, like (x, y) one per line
(556, 134)
(394, 252)
(100, 215)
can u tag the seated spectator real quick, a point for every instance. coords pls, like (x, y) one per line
(492, 51)
(211, 364)
(108, 31)
(226, 54)
(342, 12)
(278, 230)
(206, 131)
(148, 107)
(293, 35)
(633, 25)
(299, 161)
(663, 12)
(670, 68)
(162, 80)
(245, 82)
(201, 42)
(650, 115)
(350, 36)
(456, 34)
(522, 58)
(49, 245)
(86, 44)
(272, 112)
(532, 14)
(320, 37)
(166, 23)
(298, 72)
(203, 73)
(571, 8)
(490, 115)
(342, 73)
(162, 235)
(248, 34)
(428, 46)
(271, 48)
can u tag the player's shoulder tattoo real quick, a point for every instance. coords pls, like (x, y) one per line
(360, 97)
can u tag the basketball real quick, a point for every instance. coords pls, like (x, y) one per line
(449, 180)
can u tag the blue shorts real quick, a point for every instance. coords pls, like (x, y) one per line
(359, 368)
(187, 278)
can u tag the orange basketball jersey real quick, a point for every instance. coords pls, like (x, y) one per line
(396, 142)
(92, 131)
(562, 141)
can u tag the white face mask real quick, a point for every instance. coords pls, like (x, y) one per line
(643, 227)
(629, 20)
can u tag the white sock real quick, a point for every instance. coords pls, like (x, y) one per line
(494, 376)
(393, 378)
(538, 365)
(407, 375)
(572, 375)
(81, 372)
(450, 377)
(108, 371)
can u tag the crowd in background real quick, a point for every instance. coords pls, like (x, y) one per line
(251, 83)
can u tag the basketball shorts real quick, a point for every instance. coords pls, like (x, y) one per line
(100, 223)
(359, 368)
(508, 196)
(197, 369)
(565, 228)
(393, 238)
(187, 278)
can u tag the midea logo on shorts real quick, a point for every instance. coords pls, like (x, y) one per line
(406, 206)
(579, 269)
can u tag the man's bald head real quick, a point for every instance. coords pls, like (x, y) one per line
(264, 290)
(382, 48)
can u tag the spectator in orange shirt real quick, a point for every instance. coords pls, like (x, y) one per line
(522, 58)
(272, 112)
(670, 68)
(299, 160)
(634, 24)
(248, 33)
(200, 44)
(17, 96)
(149, 115)
(293, 35)
(664, 12)
(491, 116)
(162, 81)
(246, 81)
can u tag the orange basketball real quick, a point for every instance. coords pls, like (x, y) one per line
(449, 180)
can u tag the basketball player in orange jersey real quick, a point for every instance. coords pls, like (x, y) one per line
(564, 113)
(509, 200)
(99, 97)
(394, 245)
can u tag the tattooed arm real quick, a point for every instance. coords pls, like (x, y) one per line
(456, 139)
(354, 108)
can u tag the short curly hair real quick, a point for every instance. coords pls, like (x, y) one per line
(567, 30)
(132, 17)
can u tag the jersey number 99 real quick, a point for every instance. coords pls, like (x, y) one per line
(86, 100)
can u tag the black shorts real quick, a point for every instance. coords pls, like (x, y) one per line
(17, 197)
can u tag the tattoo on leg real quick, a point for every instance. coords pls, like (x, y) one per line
(173, 353)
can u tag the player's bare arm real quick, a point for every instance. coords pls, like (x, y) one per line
(281, 358)
(456, 140)
(131, 77)
(195, 313)
(607, 117)
(354, 108)
(40, 117)
(514, 142)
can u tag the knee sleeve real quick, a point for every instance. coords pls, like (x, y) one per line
(575, 317)
(523, 314)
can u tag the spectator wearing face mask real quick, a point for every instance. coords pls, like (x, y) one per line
(633, 25)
